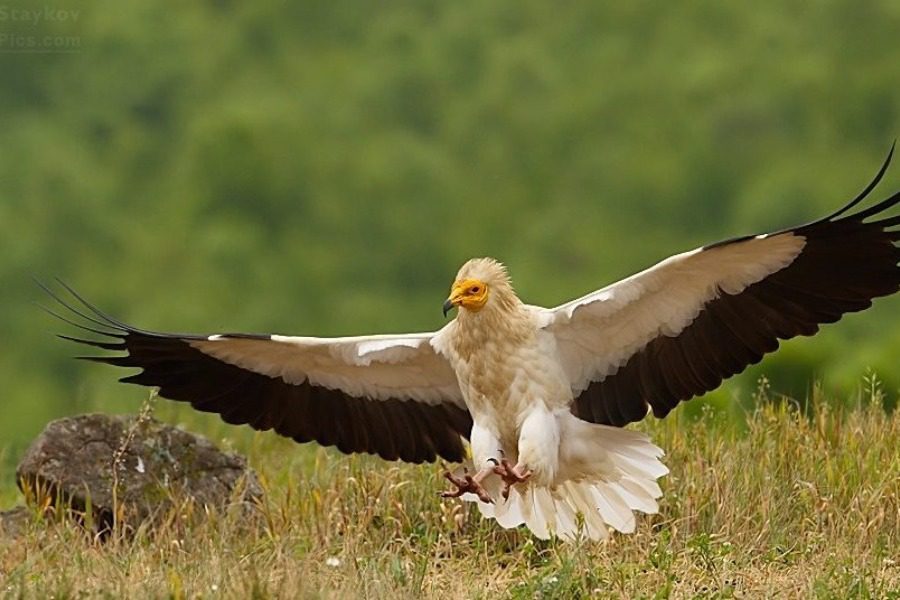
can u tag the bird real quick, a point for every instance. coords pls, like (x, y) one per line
(532, 402)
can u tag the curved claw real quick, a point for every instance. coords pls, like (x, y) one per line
(510, 475)
(465, 485)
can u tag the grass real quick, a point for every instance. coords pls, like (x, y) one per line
(789, 504)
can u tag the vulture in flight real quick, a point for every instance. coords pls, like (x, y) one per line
(540, 395)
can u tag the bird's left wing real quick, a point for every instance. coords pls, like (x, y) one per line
(390, 395)
(679, 328)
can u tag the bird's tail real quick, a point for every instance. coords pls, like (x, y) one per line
(622, 469)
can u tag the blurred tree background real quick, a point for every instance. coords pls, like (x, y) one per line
(323, 167)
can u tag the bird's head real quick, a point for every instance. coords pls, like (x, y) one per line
(479, 281)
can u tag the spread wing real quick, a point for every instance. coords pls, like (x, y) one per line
(390, 395)
(679, 328)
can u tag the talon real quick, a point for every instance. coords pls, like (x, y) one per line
(459, 482)
(510, 476)
(465, 485)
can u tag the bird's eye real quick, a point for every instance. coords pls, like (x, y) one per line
(474, 289)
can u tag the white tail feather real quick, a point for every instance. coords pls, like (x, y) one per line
(606, 473)
(637, 497)
(613, 508)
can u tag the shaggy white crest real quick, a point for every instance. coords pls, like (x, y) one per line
(486, 269)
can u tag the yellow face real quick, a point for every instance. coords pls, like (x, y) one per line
(470, 294)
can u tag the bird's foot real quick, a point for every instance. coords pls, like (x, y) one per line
(467, 485)
(510, 474)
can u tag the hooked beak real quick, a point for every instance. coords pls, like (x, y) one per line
(448, 306)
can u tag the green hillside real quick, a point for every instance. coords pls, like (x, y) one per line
(323, 168)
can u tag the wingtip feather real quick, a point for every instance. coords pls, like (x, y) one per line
(867, 190)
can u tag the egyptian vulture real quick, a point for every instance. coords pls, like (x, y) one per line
(541, 394)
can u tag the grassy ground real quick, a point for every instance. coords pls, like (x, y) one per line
(789, 505)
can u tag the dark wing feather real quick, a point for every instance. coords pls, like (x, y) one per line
(847, 261)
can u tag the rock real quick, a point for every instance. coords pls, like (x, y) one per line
(12, 522)
(157, 467)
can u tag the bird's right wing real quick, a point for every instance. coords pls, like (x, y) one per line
(390, 395)
(677, 329)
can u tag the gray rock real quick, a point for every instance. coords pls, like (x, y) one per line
(157, 466)
(13, 522)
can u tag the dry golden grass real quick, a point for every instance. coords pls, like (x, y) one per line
(789, 505)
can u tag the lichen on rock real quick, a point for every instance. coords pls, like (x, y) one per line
(129, 470)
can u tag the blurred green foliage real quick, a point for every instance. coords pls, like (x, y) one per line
(324, 167)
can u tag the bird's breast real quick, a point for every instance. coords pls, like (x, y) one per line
(504, 383)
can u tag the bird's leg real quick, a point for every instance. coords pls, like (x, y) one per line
(510, 474)
(468, 484)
